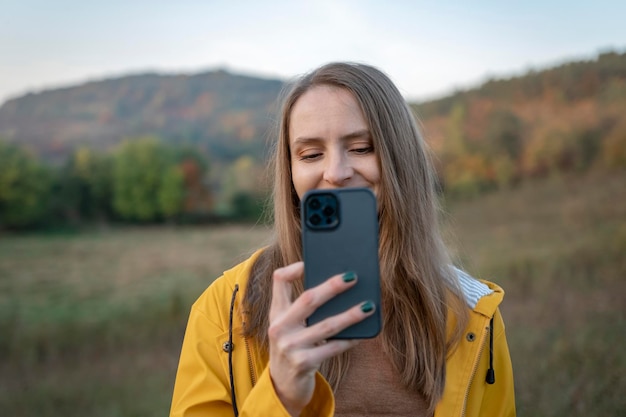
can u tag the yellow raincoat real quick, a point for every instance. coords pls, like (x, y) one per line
(204, 377)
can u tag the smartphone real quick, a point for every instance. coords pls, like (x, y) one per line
(340, 234)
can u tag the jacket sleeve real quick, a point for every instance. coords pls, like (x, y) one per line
(202, 386)
(264, 397)
(498, 399)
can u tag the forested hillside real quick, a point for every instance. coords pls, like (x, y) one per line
(153, 148)
(566, 119)
(220, 113)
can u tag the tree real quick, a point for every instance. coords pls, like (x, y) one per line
(455, 143)
(171, 192)
(247, 205)
(614, 147)
(143, 184)
(243, 177)
(504, 134)
(86, 186)
(24, 186)
(198, 198)
(467, 176)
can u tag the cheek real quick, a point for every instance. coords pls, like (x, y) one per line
(374, 177)
(300, 180)
(373, 171)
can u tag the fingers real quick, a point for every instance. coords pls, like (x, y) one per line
(306, 361)
(314, 297)
(330, 326)
(310, 299)
(287, 318)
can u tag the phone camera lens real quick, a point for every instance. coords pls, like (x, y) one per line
(314, 204)
(315, 219)
(328, 211)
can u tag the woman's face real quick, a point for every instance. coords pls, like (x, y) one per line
(330, 143)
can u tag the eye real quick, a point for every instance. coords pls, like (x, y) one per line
(363, 150)
(310, 156)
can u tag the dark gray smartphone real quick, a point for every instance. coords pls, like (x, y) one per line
(340, 234)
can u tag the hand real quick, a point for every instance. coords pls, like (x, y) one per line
(297, 351)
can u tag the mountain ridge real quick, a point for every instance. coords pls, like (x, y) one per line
(211, 109)
(227, 115)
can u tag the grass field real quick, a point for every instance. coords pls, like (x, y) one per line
(91, 323)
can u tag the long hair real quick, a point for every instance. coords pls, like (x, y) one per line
(418, 287)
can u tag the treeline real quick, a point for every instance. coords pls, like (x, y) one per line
(142, 181)
(567, 119)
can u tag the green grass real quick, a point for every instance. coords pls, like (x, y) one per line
(91, 323)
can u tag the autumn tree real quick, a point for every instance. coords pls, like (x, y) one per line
(614, 147)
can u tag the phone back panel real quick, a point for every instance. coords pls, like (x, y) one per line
(349, 245)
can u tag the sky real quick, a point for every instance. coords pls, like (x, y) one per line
(428, 48)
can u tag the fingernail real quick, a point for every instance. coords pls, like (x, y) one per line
(367, 306)
(349, 276)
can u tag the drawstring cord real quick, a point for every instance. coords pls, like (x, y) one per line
(491, 374)
(231, 347)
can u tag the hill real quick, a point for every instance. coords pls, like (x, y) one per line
(568, 118)
(222, 113)
(228, 115)
(504, 128)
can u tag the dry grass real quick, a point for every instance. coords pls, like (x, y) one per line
(81, 277)
(558, 249)
(91, 324)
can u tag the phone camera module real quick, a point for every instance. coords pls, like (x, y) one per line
(322, 211)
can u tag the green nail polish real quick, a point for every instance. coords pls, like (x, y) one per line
(349, 276)
(367, 306)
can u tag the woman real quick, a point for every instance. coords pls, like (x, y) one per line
(246, 349)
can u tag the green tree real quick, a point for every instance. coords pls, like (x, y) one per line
(138, 177)
(171, 193)
(85, 186)
(247, 205)
(24, 187)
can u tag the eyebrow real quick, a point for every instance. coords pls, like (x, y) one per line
(353, 135)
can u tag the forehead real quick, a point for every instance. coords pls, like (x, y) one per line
(323, 108)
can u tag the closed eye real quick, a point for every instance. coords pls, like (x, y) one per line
(363, 151)
(310, 157)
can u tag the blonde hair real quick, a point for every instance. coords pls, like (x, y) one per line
(419, 289)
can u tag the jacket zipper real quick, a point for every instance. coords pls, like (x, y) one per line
(250, 362)
(475, 369)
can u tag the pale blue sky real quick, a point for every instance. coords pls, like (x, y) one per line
(428, 48)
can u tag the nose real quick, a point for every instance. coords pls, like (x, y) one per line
(337, 170)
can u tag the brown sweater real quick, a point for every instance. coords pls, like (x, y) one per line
(371, 387)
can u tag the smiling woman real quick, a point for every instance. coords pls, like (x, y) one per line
(330, 142)
(247, 350)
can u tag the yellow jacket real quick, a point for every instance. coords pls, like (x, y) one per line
(203, 380)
